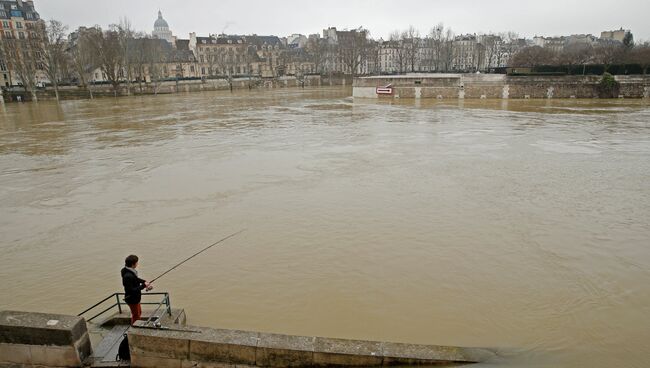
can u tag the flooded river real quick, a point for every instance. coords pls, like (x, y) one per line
(518, 225)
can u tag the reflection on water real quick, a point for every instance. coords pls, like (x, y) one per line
(519, 225)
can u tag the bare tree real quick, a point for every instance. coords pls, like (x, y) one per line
(125, 34)
(138, 58)
(575, 55)
(441, 42)
(410, 40)
(108, 50)
(373, 58)
(436, 37)
(153, 55)
(53, 34)
(448, 50)
(609, 53)
(317, 49)
(6, 59)
(533, 56)
(507, 47)
(396, 43)
(353, 49)
(211, 56)
(25, 57)
(83, 58)
(225, 59)
(479, 56)
(491, 44)
(641, 55)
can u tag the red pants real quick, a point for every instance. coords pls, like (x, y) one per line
(136, 312)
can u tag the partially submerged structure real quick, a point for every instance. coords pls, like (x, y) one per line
(496, 86)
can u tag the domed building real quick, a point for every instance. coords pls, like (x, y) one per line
(161, 29)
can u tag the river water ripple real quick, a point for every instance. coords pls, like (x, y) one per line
(518, 225)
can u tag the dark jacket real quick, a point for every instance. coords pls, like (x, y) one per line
(132, 286)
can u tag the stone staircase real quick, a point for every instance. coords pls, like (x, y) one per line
(106, 335)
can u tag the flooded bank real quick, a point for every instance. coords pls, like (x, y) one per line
(520, 225)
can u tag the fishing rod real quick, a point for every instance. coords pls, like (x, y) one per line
(197, 253)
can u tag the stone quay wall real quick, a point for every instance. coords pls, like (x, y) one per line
(42, 340)
(168, 87)
(497, 86)
(209, 347)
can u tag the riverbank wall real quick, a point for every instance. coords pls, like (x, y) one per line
(498, 86)
(193, 346)
(52, 340)
(172, 87)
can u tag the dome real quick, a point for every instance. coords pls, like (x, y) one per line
(160, 22)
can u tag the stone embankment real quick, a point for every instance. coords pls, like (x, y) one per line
(49, 340)
(201, 347)
(497, 86)
(169, 87)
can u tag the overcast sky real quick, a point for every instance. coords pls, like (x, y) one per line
(284, 17)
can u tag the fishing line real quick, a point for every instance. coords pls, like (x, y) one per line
(197, 253)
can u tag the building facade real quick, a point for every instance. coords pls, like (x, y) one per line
(20, 48)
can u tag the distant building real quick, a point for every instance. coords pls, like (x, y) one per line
(555, 44)
(469, 54)
(161, 29)
(220, 54)
(581, 40)
(617, 35)
(18, 21)
(296, 41)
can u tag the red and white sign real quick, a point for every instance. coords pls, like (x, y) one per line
(385, 90)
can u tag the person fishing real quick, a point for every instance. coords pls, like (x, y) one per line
(133, 286)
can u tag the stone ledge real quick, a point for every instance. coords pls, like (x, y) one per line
(33, 328)
(207, 347)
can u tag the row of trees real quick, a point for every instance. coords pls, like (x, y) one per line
(119, 52)
(605, 54)
(409, 50)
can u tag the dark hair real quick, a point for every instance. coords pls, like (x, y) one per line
(131, 260)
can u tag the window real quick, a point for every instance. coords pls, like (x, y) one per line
(19, 25)
(3, 67)
(21, 35)
(3, 13)
(5, 24)
(29, 16)
(203, 70)
(201, 57)
(8, 34)
(192, 68)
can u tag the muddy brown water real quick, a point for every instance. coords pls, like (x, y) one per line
(518, 225)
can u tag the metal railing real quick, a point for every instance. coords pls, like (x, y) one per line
(165, 301)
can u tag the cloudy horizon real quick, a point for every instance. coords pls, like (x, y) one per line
(380, 17)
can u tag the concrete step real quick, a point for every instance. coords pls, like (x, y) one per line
(106, 350)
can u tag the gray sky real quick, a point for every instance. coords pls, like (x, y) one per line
(284, 17)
